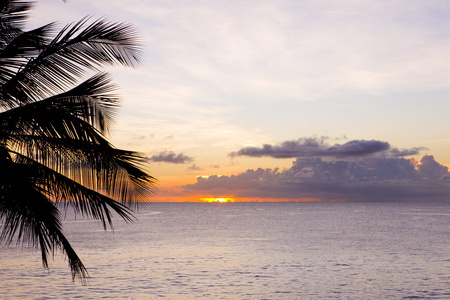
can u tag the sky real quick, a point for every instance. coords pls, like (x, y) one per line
(283, 100)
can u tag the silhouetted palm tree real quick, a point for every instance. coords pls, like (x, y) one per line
(52, 130)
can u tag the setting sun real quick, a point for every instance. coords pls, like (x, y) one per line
(219, 200)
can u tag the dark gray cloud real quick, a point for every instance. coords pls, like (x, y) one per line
(313, 147)
(366, 179)
(171, 157)
(406, 152)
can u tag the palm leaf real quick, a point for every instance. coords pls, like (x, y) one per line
(63, 189)
(30, 217)
(12, 17)
(91, 101)
(52, 131)
(16, 54)
(76, 49)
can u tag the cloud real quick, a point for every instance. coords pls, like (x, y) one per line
(171, 157)
(430, 168)
(194, 167)
(406, 152)
(313, 147)
(366, 179)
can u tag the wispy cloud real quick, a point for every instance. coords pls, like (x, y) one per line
(171, 157)
(314, 147)
(194, 167)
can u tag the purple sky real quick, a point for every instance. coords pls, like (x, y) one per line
(332, 99)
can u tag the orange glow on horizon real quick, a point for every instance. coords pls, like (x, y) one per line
(178, 194)
(208, 199)
(219, 200)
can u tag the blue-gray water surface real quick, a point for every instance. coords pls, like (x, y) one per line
(248, 251)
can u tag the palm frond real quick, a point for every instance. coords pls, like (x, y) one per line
(116, 173)
(27, 44)
(15, 55)
(76, 49)
(12, 17)
(30, 217)
(63, 115)
(65, 190)
(52, 131)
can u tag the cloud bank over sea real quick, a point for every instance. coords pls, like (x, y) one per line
(358, 170)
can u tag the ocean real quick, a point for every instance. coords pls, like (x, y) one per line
(248, 251)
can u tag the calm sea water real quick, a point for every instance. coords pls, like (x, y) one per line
(249, 251)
